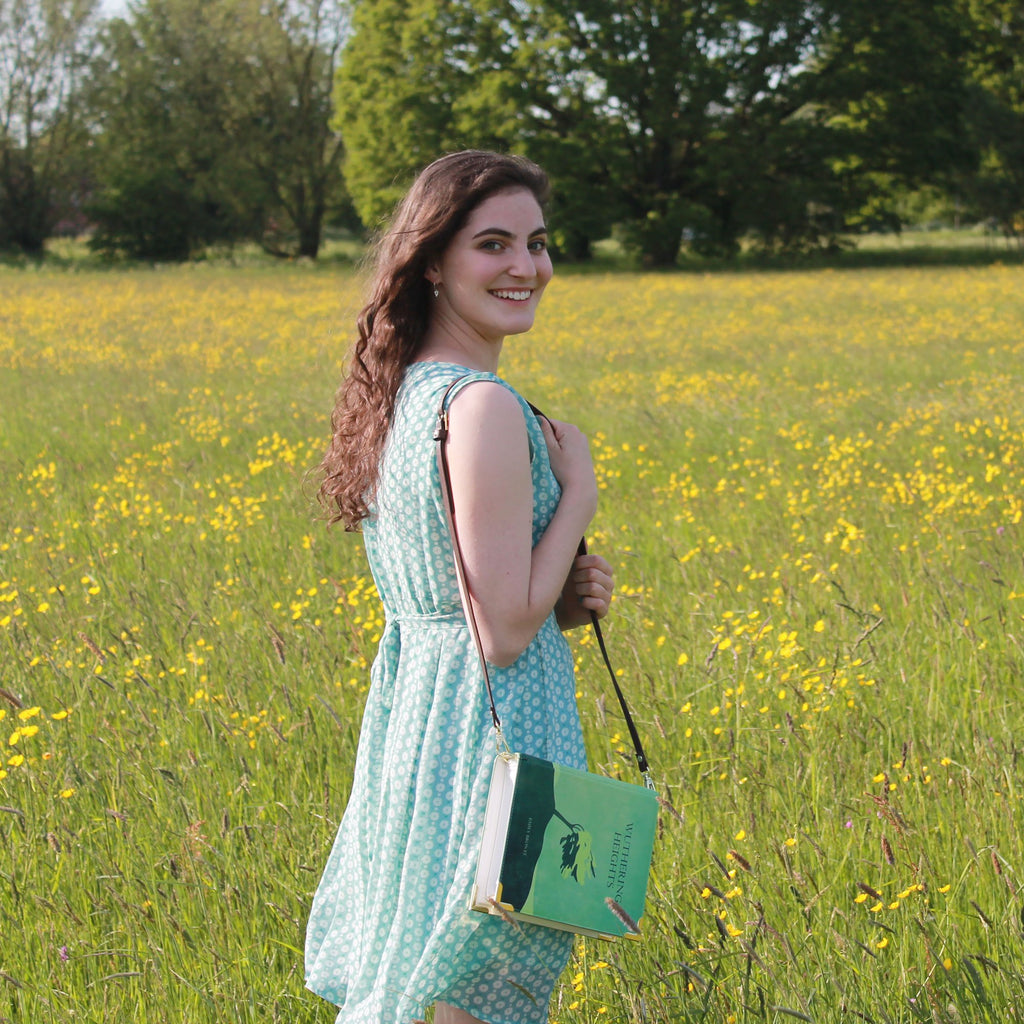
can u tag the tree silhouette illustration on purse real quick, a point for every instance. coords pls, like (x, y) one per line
(568, 854)
(577, 852)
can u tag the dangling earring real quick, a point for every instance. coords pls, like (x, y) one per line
(437, 291)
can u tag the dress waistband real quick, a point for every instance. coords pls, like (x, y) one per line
(430, 620)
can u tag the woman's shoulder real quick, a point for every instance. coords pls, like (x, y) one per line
(480, 405)
(447, 380)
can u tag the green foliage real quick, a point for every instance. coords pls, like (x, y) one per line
(226, 105)
(152, 212)
(387, 132)
(280, 119)
(26, 213)
(44, 48)
(780, 124)
(895, 77)
(408, 70)
(708, 123)
(171, 182)
(996, 190)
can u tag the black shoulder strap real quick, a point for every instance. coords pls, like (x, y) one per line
(441, 437)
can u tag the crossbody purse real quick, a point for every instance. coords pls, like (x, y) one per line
(561, 847)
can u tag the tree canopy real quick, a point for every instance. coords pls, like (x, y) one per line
(701, 124)
(44, 49)
(700, 121)
(214, 124)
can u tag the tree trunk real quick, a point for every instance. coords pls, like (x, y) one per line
(24, 206)
(310, 235)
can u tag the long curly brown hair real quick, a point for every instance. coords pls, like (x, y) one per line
(392, 324)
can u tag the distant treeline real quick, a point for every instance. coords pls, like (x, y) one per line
(786, 124)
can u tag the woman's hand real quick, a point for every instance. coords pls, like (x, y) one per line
(571, 463)
(587, 589)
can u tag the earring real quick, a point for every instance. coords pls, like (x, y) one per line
(437, 291)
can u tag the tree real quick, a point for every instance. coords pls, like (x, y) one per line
(170, 180)
(422, 77)
(771, 118)
(894, 78)
(689, 100)
(995, 191)
(280, 112)
(704, 120)
(214, 120)
(44, 48)
(400, 80)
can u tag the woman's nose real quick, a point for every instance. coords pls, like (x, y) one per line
(522, 264)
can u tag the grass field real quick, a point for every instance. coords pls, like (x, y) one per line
(813, 491)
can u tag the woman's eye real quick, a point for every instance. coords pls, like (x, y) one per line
(538, 245)
(492, 245)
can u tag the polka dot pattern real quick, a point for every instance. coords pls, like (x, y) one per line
(390, 930)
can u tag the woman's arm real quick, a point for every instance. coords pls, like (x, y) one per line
(514, 585)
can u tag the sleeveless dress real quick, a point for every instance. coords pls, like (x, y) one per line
(390, 929)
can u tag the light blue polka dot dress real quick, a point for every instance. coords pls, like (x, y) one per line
(390, 929)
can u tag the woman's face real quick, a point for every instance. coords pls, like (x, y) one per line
(494, 271)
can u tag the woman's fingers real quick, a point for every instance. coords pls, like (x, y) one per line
(569, 455)
(593, 567)
(593, 582)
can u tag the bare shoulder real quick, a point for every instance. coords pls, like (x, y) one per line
(488, 427)
(487, 405)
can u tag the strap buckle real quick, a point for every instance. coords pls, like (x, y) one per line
(441, 433)
(504, 751)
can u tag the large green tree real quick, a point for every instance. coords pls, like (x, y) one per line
(698, 120)
(407, 68)
(422, 77)
(44, 48)
(995, 191)
(280, 115)
(213, 120)
(774, 118)
(170, 179)
(689, 109)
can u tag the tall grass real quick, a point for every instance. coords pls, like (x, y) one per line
(813, 486)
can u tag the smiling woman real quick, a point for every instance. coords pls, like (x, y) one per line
(391, 930)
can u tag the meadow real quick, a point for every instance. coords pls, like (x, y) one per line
(812, 492)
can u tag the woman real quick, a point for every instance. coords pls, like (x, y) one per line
(463, 265)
